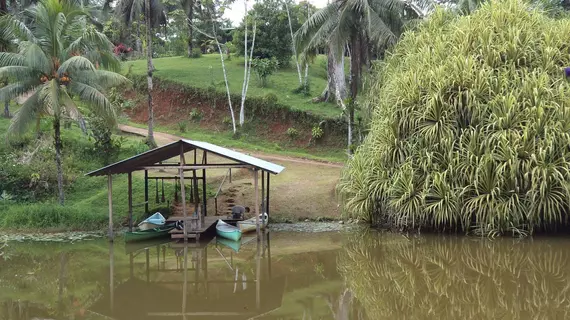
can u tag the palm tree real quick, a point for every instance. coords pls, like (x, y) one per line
(188, 6)
(58, 58)
(129, 11)
(359, 26)
(6, 38)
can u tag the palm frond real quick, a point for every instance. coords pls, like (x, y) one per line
(18, 73)
(11, 59)
(14, 90)
(93, 97)
(16, 27)
(305, 35)
(75, 63)
(26, 115)
(36, 59)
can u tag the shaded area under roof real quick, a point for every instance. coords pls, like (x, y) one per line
(171, 150)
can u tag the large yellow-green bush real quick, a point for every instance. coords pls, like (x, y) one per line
(471, 126)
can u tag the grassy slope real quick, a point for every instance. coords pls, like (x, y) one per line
(250, 143)
(201, 72)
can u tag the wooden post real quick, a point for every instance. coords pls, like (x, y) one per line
(146, 191)
(256, 187)
(230, 175)
(183, 191)
(130, 182)
(262, 193)
(267, 200)
(204, 200)
(196, 197)
(110, 198)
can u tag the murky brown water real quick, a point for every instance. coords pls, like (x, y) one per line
(363, 275)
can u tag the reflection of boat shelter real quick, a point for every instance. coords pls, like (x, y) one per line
(189, 291)
(194, 159)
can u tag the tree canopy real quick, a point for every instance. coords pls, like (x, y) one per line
(470, 129)
(273, 39)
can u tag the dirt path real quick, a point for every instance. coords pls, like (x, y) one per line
(165, 138)
(305, 189)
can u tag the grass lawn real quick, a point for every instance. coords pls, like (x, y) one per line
(204, 71)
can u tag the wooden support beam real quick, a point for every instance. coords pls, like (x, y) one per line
(267, 200)
(110, 198)
(262, 192)
(146, 191)
(196, 196)
(204, 200)
(183, 191)
(256, 187)
(197, 167)
(130, 190)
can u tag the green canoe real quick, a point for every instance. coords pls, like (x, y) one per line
(155, 233)
(228, 231)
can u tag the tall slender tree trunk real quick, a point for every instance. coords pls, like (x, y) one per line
(58, 147)
(189, 17)
(150, 68)
(355, 70)
(244, 84)
(293, 45)
(248, 75)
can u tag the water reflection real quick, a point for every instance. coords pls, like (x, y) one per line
(439, 277)
(185, 286)
(365, 275)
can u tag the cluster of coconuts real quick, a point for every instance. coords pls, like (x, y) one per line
(64, 80)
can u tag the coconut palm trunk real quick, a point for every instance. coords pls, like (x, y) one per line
(150, 68)
(355, 70)
(189, 17)
(58, 147)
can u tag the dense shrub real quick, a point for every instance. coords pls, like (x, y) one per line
(196, 53)
(264, 68)
(471, 126)
(292, 133)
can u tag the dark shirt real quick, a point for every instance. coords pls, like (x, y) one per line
(238, 212)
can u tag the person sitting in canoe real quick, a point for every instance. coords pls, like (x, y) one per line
(238, 212)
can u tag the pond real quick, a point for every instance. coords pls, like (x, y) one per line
(361, 274)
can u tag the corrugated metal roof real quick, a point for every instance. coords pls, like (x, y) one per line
(173, 149)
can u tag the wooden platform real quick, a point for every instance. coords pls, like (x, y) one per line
(208, 227)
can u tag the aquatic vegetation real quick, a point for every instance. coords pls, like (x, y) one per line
(470, 128)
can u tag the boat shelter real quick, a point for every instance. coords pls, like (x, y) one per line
(190, 161)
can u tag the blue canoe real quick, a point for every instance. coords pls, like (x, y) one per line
(228, 231)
